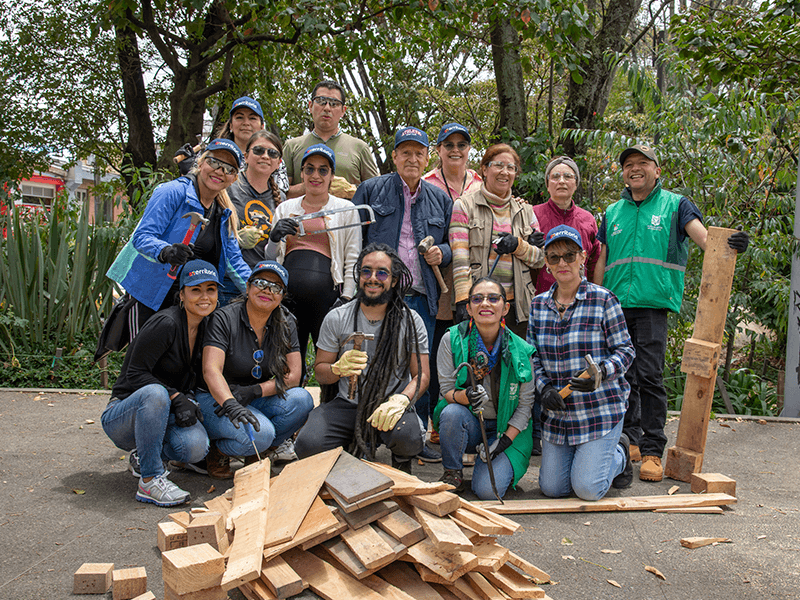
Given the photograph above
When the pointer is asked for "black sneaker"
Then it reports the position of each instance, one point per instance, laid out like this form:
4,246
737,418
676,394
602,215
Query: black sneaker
625,478
198,467
537,447
429,455
454,477
401,465
135,469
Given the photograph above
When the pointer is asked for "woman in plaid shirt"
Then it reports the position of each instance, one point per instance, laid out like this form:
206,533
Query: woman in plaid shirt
583,448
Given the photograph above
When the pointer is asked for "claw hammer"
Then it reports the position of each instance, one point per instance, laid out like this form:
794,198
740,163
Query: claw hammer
357,338
196,219
591,371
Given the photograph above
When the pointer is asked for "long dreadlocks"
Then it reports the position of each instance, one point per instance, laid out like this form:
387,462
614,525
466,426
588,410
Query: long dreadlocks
372,388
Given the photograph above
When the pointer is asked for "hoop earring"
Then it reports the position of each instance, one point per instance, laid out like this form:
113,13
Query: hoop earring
181,304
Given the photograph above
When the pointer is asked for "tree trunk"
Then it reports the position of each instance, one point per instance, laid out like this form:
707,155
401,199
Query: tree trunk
186,112
508,75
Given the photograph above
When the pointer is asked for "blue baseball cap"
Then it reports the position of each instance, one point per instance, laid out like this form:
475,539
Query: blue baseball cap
230,146
272,266
322,150
411,134
450,129
198,271
246,102
563,232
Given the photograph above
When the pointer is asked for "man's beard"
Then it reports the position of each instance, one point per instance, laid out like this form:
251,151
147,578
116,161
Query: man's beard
383,298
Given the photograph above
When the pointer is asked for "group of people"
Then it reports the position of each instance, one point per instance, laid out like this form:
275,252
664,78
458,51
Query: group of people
440,305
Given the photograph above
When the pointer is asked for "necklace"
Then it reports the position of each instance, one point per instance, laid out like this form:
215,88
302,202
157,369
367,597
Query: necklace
561,307
447,185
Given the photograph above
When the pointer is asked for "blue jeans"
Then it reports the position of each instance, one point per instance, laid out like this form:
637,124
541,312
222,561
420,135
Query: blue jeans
420,304
143,421
586,469
459,432
279,419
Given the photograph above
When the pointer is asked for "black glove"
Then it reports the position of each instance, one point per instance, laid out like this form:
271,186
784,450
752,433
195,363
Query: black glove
245,394
586,384
237,414
176,255
189,156
186,412
551,399
536,239
739,241
477,396
461,312
283,228
495,448
507,244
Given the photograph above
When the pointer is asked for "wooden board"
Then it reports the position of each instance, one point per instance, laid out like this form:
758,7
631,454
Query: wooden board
476,522
491,555
402,528
405,484
398,548
700,357
370,548
429,576
508,526
360,504
352,479
714,483
448,565
192,568
512,507
514,584
463,590
293,492
402,576
325,580
327,534
368,514
344,556
318,520
281,578
442,531
444,591
214,593
699,542
128,583
529,569
386,589
482,587
182,518
440,504
705,510
255,590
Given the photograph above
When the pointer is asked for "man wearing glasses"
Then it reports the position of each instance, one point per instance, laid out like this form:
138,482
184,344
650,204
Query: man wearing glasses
642,260
354,160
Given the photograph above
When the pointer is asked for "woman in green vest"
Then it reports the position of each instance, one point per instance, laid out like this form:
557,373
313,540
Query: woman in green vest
502,389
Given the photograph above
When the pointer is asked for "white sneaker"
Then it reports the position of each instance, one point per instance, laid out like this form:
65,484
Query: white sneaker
285,452
161,492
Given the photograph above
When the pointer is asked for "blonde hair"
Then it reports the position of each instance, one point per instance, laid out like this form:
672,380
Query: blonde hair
221,198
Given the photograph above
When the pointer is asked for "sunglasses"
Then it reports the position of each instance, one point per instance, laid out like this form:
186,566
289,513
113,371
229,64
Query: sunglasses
216,163
562,176
323,100
554,259
459,145
258,356
309,170
265,285
259,151
380,274
479,298
499,165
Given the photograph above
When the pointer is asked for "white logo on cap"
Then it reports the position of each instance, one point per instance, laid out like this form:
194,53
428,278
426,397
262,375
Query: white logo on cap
411,131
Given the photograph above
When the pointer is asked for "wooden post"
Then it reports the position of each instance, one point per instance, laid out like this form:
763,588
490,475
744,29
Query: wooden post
686,457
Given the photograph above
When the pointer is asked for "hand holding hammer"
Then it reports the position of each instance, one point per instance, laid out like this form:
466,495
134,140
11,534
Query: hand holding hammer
433,256
352,362
178,254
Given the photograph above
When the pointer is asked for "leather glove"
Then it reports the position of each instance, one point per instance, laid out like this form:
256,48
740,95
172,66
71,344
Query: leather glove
186,157
176,254
237,414
495,448
507,244
587,384
248,237
350,363
342,188
477,396
536,239
551,399
386,416
739,241
283,228
461,312
245,394
186,412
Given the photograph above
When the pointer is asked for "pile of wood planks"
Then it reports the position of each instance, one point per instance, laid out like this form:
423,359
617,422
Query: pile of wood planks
348,530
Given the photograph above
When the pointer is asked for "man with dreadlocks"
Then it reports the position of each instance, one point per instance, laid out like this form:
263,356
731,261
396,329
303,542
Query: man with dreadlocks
392,369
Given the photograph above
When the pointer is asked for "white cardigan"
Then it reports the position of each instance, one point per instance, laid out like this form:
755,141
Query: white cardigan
345,243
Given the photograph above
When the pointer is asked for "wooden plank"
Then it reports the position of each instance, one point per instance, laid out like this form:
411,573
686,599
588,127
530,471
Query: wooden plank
192,568
448,565
325,580
219,504
529,569
255,590
281,578
402,528
509,527
514,584
463,590
214,593
402,576
482,587
92,578
442,531
368,514
146,596
429,576
405,484
325,536
318,520
439,504
398,548
699,542
128,583
352,479
491,555
360,504
609,504
369,547
705,510
293,492
182,518
476,522
386,589
444,592
344,556
713,483
700,357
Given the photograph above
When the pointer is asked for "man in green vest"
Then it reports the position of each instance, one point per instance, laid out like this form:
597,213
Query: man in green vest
643,260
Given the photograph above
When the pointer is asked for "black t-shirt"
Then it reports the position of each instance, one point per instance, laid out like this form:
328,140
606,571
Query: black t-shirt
229,329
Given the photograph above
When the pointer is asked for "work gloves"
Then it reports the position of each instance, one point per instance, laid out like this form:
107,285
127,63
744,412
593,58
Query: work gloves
342,188
176,254
237,414
536,239
283,228
350,363
507,244
495,448
461,312
386,416
186,412
551,399
249,237
587,384
245,394
739,241
187,157
477,396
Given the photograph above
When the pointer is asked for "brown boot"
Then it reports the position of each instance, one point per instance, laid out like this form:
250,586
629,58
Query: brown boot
636,455
219,465
651,469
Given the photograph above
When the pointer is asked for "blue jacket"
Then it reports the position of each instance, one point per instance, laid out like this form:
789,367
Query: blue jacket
430,215
137,267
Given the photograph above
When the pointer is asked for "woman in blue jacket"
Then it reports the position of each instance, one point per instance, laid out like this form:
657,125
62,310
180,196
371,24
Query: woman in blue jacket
161,242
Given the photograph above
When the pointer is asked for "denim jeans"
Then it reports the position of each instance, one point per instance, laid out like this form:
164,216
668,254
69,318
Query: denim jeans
460,432
279,419
143,421
420,304
586,469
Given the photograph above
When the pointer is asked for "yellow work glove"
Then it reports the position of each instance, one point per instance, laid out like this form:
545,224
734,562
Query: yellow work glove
350,363
249,237
342,188
388,414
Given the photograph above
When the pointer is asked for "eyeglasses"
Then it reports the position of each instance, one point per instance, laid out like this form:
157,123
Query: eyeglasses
258,356
561,177
216,163
380,274
264,285
309,170
479,298
459,145
554,259
259,151
323,100
500,166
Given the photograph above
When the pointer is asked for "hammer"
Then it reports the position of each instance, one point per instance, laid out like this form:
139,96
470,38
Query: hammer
591,371
425,245
357,338
196,219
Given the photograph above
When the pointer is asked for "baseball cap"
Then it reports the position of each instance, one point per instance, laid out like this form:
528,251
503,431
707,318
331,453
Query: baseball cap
411,134
272,266
246,102
230,146
322,150
563,232
641,149
451,128
198,271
